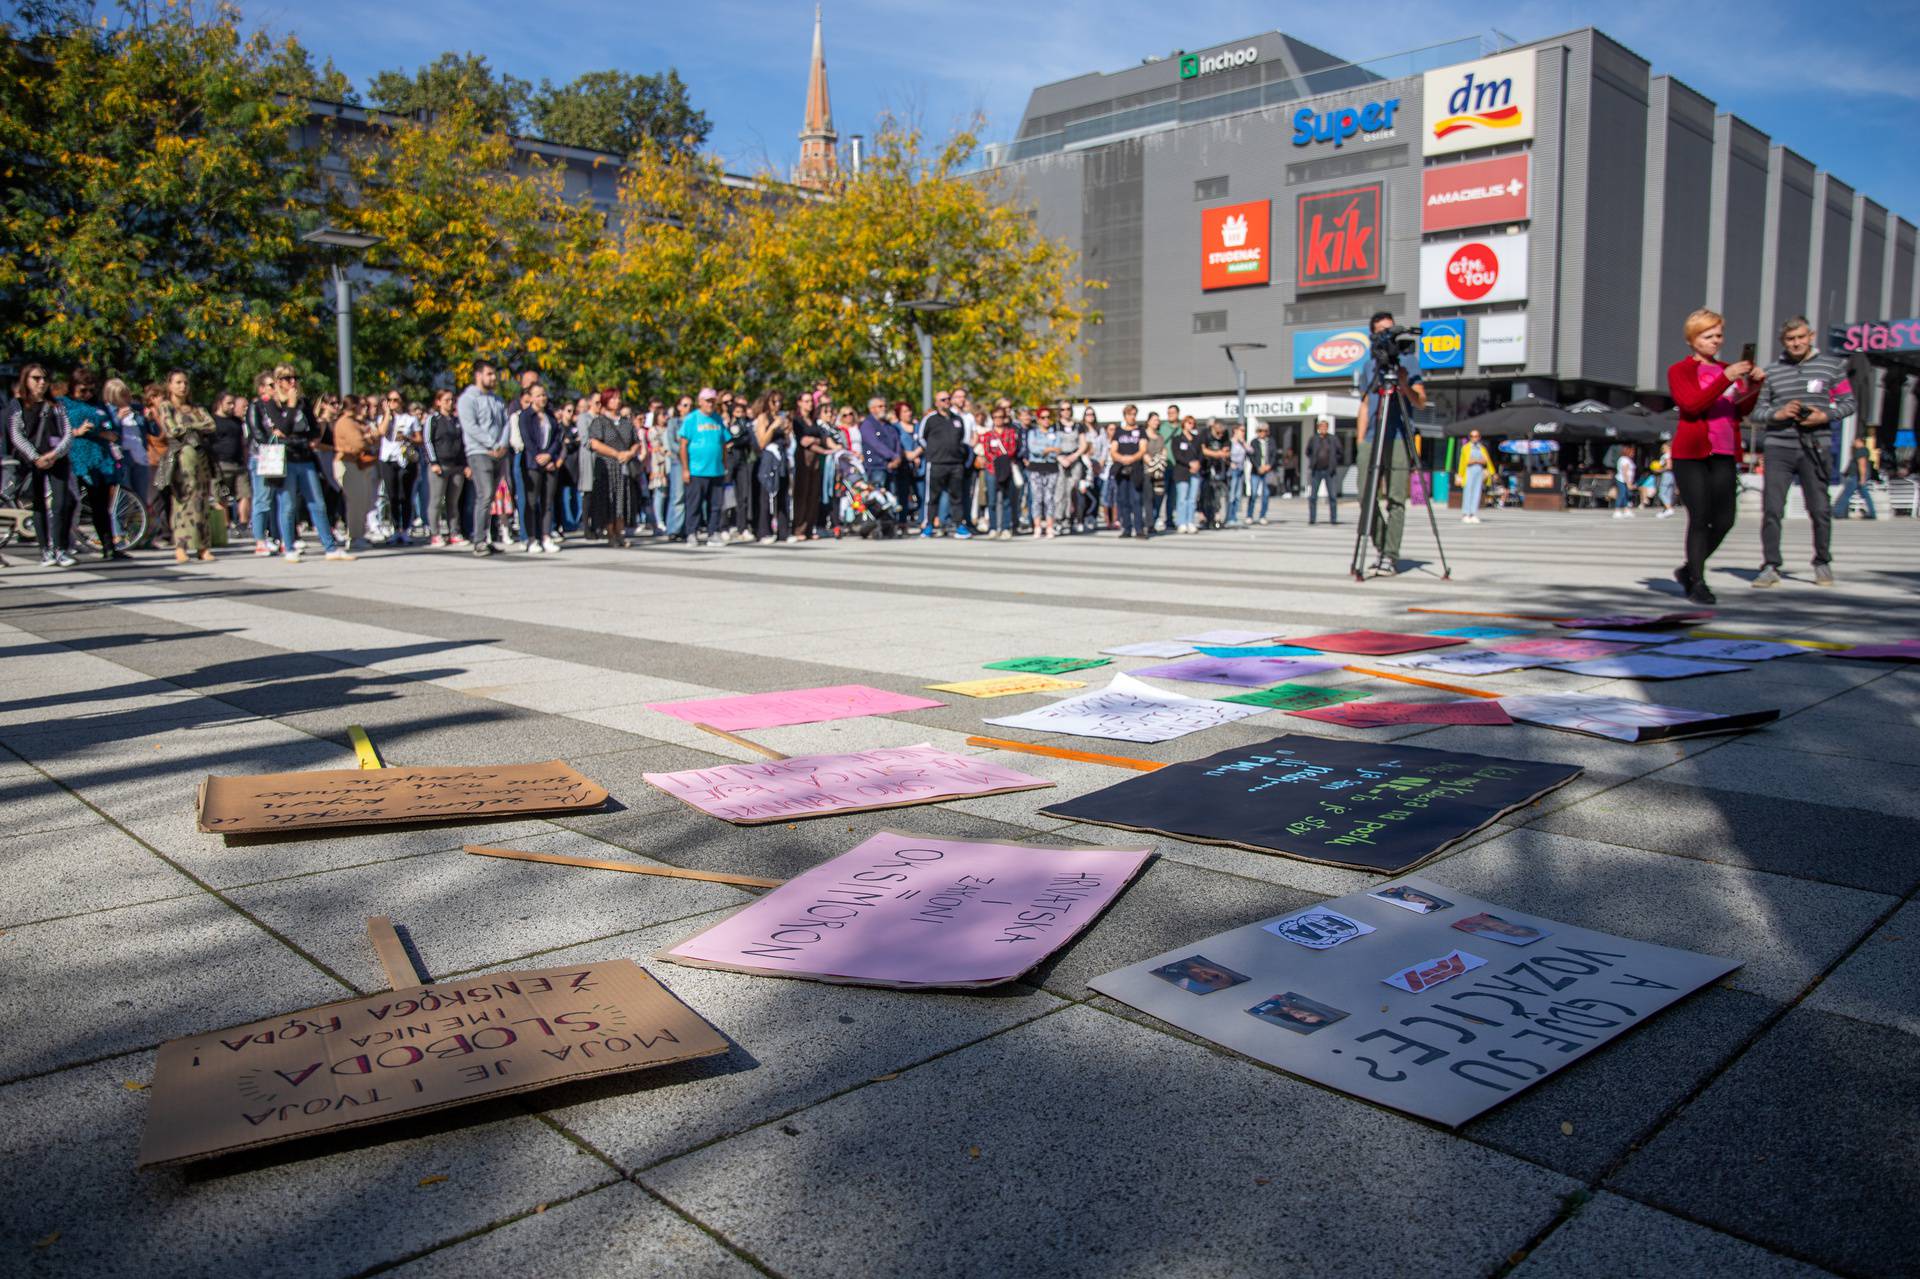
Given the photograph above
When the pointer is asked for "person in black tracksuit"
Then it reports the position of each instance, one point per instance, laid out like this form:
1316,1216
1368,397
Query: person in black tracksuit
447,472
943,437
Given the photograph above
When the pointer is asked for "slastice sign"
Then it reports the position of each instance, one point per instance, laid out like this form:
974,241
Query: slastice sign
1234,243
1340,240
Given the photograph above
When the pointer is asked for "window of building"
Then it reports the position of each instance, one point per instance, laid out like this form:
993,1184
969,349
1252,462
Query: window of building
1209,321
1210,188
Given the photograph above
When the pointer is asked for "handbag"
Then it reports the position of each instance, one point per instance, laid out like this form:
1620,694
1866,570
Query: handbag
270,462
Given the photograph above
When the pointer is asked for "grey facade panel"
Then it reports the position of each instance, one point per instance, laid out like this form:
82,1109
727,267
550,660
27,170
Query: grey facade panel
1903,297
1616,193
1870,260
1792,249
1547,252
1834,241
1679,226
1742,233
1113,229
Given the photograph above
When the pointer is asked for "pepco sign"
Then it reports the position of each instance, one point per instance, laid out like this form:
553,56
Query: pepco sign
1478,104
1234,248
1329,352
1466,272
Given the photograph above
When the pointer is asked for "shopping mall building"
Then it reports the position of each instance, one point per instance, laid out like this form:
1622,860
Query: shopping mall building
1548,212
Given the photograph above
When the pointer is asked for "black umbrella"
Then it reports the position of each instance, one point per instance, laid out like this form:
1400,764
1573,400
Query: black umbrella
1518,418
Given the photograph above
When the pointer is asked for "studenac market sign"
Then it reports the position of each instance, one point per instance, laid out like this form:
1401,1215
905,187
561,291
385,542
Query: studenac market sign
1199,64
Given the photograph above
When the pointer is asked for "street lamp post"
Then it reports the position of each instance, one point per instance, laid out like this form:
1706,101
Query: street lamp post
1240,374
920,307
332,237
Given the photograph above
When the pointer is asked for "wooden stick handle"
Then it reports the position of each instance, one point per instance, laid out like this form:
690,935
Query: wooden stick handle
593,863
395,962
363,747
1060,752
738,740
1423,683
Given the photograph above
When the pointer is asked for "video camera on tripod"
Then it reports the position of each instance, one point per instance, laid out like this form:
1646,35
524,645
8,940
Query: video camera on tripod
1386,386
1389,346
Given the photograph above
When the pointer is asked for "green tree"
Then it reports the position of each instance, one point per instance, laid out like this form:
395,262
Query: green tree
148,178
499,100
617,112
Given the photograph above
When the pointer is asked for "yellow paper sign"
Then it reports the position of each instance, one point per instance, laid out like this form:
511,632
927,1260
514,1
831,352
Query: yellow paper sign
1008,685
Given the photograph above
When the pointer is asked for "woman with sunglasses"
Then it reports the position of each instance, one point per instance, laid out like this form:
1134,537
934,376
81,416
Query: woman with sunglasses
40,436
188,468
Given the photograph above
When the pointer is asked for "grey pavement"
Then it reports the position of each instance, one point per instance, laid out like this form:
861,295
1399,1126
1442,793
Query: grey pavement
1763,1126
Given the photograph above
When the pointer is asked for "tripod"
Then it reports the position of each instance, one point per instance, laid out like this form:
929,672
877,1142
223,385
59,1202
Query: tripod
1380,464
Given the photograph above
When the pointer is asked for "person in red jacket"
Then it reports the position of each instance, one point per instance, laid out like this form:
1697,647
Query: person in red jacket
1712,398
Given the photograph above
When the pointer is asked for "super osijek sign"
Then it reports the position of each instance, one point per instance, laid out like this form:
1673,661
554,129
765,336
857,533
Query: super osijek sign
1374,120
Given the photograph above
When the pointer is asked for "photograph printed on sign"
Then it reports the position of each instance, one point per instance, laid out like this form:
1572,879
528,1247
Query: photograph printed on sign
1318,929
1429,973
1494,928
1198,975
1412,899
1297,1013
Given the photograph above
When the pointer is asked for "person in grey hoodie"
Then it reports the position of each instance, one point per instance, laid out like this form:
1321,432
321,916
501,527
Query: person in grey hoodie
1805,392
483,428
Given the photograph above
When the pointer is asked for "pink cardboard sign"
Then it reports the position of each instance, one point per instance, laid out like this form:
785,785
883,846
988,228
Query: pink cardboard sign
1380,714
815,785
796,706
1563,650
1376,643
906,910
1242,672
1907,650
1633,621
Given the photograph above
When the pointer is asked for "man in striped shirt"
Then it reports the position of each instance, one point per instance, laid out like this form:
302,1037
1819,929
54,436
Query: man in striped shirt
1805,392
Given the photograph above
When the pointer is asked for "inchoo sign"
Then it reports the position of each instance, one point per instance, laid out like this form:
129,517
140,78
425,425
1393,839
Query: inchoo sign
1234,245
1199,64
1478,104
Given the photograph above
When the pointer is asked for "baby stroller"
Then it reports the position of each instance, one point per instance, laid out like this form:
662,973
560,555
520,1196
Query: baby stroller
858,506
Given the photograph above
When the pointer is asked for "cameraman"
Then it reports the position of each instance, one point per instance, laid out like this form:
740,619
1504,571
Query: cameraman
1803,394
1390,512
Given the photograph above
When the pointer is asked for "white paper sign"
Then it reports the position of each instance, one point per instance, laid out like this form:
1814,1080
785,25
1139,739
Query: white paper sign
1481,1028
1623,719
1129,710
1478,661
1726,650
1152,648
1501,339
1645,666
1227,637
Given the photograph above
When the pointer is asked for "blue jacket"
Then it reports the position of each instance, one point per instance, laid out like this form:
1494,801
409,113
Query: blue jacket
879,441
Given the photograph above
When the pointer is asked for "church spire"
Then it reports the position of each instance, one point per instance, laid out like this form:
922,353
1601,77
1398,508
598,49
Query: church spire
818,163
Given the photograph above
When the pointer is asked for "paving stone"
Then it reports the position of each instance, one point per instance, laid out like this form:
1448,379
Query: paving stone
1831,842
610,1233
1805,1145
465,912
31,802
325,1205
1876,982
1009,1146
68,871
1611,1236
116,980
1890,787
1786,930
795,1043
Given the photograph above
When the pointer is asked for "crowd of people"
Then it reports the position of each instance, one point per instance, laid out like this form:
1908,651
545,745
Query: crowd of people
509,461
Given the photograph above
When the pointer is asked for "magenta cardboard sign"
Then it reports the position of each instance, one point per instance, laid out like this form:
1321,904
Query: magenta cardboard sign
797,706
906,910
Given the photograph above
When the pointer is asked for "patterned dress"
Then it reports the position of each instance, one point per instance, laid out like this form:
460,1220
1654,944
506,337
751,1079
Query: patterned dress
189,433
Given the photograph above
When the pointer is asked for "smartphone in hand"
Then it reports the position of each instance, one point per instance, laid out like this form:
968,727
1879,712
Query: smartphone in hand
1747,352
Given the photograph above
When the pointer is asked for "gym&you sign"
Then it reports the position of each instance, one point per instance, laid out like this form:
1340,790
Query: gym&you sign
1471,271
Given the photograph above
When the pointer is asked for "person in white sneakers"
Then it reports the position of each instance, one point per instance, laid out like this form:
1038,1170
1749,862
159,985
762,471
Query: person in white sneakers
1476,464
541,458
1623,484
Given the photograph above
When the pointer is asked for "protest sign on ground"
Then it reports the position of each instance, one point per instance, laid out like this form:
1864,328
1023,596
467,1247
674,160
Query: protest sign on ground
1008,685
1296,697
1646,666
1227,636
1047,665
1479,661
365,1061
816,785
1475,710
1151,648
1414,1013
911,911
1561,650
263,803
1731,650
1127,710
1255,650
1625,720
1480,632
1241,672
1363,805
795,706
1375,643
1906,650
1632,621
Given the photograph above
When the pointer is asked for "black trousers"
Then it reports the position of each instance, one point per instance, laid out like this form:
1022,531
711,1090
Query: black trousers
99,500
399,484
774,492
952,481
704,495
1709,489
740,474
57,533
542,492
1801,458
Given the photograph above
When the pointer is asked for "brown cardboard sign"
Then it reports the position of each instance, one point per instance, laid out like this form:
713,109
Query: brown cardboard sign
398,1053
267,802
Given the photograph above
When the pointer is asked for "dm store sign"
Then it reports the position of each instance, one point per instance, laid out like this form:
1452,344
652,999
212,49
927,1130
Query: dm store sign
1443,344
1234,245
1478,104
1319,353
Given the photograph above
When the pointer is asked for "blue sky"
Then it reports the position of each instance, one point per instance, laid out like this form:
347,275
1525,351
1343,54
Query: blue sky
1836,83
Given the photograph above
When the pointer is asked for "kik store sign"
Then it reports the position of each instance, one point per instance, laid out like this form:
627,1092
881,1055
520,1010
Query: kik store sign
1235,245
1342,241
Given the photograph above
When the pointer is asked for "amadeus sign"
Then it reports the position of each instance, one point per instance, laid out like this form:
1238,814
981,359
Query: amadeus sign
1194,64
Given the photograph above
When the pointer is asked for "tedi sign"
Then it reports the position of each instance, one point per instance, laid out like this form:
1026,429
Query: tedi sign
1478,104
1374,120
1197,64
